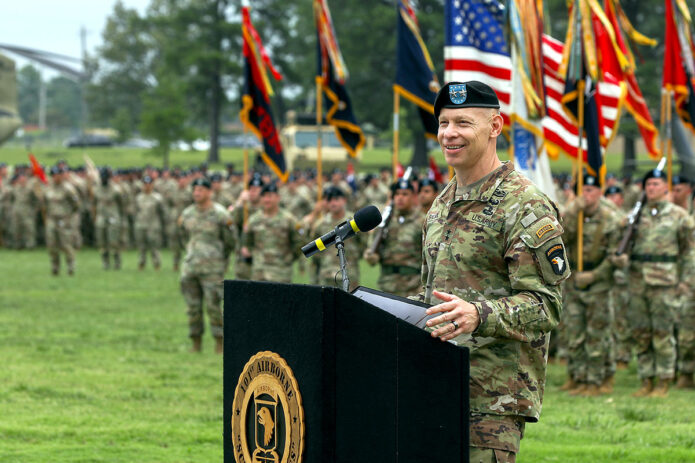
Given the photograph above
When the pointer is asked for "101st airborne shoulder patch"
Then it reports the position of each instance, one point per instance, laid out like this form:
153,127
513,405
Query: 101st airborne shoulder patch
556,257
267,413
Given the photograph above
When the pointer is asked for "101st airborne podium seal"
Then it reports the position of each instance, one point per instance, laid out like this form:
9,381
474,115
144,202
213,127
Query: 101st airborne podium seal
267,413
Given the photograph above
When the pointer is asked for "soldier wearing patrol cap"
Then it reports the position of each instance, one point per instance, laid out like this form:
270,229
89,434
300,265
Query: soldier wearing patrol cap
400,251
586,320
207,234
272,239
150,217
61,202
661,271
493,253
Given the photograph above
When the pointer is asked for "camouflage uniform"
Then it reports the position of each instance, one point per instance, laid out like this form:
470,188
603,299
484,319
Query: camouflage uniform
25,205
497,244
663,255
209,238
149,224
274,244
619,298
587,317
5,208
327,264
400,254
376,195
80,186
181,198
127,232
242,266
109,210
62,202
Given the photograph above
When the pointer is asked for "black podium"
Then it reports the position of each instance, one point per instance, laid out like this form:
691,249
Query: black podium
373,388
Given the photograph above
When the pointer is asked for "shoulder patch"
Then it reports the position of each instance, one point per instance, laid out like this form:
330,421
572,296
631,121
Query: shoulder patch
555,255
544,229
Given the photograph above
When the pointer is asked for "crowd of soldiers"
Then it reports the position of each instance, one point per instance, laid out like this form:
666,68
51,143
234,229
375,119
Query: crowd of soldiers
639,303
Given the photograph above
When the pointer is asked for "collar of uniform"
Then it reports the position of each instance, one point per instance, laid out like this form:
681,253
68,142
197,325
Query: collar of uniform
482,189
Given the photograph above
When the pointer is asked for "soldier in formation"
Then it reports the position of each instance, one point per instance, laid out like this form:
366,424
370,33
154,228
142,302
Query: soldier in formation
400,250
150,216
207,233
109,211
62,203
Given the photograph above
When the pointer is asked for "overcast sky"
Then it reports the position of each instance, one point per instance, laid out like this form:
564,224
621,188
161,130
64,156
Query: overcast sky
54,25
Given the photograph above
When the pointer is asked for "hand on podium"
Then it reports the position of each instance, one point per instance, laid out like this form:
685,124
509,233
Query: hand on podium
458,317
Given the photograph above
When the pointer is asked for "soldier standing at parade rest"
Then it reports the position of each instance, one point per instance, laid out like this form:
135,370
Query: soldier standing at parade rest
25,205
586,317
685,317
400,251
251,198
493,252
207,234
272,239
109,207
150,217
661,271
620,292
426,193
62,202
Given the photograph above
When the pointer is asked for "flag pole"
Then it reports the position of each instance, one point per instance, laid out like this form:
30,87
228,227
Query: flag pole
319,141
246,175
396,114
580,178
669,141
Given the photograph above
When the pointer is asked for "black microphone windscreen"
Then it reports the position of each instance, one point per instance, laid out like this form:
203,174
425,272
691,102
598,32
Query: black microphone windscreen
367,218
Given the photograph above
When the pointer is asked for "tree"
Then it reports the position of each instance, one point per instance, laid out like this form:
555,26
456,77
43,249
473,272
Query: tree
28,87
64,103
164,115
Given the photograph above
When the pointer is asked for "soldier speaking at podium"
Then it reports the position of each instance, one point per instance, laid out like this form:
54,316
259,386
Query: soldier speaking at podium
494,255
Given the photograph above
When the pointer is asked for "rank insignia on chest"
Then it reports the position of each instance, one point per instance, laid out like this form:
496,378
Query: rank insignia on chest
556,257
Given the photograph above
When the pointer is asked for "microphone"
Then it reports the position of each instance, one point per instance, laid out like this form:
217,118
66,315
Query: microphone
365,219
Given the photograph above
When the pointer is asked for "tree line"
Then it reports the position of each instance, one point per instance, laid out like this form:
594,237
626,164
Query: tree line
176,71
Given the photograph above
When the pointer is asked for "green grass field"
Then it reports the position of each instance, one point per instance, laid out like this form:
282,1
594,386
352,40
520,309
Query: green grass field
131,157
96,368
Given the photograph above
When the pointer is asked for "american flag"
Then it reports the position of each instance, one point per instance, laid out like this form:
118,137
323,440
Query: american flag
559,130
475,47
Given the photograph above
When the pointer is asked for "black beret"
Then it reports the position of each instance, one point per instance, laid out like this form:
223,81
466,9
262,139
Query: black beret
591,180
654,173
402,184
610,176
613,190
201,181
55,170
471,94
147,179
269,188
215,177
429,182
333,192
678,179
256,181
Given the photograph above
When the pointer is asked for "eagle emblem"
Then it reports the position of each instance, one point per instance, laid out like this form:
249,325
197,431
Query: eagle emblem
266,420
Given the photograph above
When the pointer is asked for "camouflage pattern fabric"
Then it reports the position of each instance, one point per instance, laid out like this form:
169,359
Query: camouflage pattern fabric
401,254
149,220
620,305
495,438
209,238
242,266
61,202
327,262
25,206
663,255
497,244
109,206
587,316
686,336
274,244
180,199
376,195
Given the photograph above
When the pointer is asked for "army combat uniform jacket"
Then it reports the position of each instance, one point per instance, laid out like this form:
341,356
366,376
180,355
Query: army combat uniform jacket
497,244
209,237
274,243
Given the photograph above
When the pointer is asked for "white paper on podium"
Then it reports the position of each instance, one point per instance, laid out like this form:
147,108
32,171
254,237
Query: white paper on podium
407,310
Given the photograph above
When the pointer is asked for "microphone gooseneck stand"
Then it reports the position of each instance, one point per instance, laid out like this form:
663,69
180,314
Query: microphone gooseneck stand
340,244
